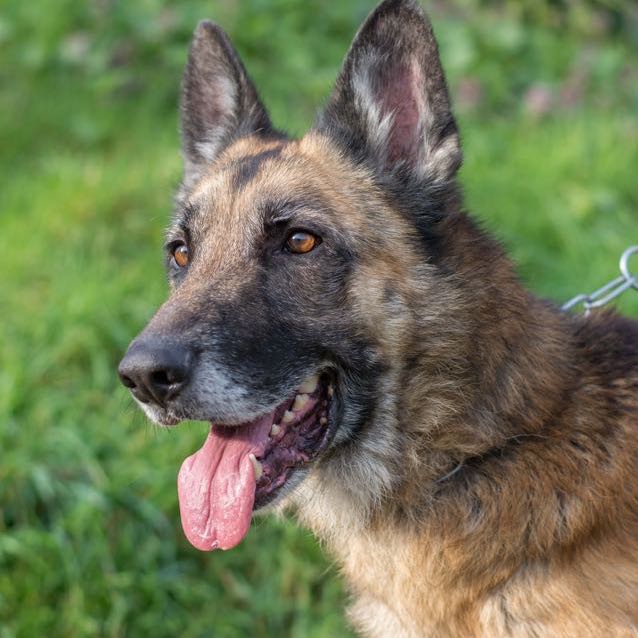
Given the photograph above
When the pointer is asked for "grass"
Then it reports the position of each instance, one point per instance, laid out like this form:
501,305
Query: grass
90,540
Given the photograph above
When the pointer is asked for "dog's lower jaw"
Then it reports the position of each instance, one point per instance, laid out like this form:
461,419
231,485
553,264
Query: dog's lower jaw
342,491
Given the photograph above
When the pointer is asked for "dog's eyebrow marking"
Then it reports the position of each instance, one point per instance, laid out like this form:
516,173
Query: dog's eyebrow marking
247,167
283,211
181,224
280,212
184,216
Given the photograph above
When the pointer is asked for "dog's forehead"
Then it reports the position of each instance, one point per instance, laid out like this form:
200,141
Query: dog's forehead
255,180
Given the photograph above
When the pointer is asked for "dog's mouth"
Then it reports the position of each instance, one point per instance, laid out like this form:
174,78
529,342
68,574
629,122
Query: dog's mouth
243,467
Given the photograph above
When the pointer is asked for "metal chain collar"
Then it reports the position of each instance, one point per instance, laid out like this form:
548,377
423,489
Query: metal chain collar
609,291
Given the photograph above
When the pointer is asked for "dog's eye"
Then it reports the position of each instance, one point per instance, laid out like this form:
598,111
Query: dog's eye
180,255
301,241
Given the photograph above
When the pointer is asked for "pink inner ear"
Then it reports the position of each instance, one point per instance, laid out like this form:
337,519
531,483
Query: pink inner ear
399,94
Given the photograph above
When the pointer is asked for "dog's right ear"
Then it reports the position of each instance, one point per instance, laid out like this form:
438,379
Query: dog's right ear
219,102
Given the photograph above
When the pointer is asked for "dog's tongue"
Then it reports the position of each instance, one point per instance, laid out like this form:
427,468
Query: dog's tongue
216,485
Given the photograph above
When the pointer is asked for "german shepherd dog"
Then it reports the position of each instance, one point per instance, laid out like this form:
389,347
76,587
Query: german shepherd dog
369,360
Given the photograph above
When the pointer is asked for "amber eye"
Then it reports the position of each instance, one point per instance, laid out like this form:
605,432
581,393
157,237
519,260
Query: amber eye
301,242
180,255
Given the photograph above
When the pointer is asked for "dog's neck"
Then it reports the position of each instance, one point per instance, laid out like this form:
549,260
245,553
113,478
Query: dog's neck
498,370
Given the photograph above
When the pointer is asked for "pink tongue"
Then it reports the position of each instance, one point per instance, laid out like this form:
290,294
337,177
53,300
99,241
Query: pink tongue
216,485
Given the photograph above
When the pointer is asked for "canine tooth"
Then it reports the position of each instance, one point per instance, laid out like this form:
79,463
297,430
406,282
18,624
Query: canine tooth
288,417
275,429
309,385
323,420
300,401
257,466
331,391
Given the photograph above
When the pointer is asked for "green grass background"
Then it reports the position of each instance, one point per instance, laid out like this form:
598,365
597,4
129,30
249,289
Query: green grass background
90,539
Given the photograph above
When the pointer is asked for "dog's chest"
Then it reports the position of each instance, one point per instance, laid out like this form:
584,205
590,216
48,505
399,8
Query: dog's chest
397,587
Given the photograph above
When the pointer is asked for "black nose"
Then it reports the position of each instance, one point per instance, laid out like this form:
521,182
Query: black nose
155,371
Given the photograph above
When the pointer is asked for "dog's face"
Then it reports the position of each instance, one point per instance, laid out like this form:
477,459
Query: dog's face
285,260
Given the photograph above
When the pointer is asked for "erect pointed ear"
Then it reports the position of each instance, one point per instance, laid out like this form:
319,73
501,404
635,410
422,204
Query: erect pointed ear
390,103
219,102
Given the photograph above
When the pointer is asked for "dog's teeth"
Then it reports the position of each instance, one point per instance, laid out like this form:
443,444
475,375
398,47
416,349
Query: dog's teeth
331,391
257,466
275,429
309,385
300,401
288,417
323,420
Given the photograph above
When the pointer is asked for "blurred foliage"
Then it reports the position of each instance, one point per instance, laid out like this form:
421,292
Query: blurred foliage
90,541
583,18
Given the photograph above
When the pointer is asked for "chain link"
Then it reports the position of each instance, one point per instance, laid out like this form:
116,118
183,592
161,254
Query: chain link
609,291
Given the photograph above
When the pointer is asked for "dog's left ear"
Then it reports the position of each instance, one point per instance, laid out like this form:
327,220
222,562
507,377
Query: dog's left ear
390,103
219,102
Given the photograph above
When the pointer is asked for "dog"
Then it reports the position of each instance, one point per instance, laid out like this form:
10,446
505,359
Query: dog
369,361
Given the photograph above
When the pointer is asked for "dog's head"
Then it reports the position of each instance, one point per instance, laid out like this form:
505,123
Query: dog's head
291,265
